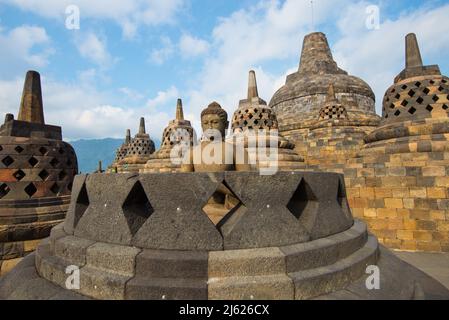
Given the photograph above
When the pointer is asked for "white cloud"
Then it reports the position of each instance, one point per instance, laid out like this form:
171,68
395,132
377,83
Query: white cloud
93,48
191,46
130,14
160,55
163,98
131,94
24,45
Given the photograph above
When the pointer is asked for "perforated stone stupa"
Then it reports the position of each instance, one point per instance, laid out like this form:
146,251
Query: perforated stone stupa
399,181
178,131
254,118
36,175
138,151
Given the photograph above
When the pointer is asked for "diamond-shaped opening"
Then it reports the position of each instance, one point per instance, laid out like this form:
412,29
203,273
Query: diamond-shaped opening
445,106
397,96
426,90
432,82
222,205
404,87
7,161
429,108
411,93
420,100
54,188
440,88
81,204
397,113
4,190
392,106
435,98
418,84
303,200
62,175
43,150
19,149
30,189
137,208
19,175
404,103
412,110
444,81
33,161
54,162
44,175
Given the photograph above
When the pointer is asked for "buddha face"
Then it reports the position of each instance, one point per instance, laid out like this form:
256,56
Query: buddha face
211,123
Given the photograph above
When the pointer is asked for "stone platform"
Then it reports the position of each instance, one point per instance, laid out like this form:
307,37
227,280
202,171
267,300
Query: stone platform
135,236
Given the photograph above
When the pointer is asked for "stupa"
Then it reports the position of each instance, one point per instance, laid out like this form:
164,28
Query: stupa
255,121
178,131
400,178
121,151
138,151
36,175
299,102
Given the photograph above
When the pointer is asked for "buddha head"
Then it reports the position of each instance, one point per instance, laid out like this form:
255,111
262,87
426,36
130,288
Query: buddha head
214,120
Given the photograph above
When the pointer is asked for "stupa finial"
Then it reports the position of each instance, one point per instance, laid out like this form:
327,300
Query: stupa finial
31,108
179,111
252,85
412,52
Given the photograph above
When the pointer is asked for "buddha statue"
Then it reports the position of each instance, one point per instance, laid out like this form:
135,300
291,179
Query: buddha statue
213,153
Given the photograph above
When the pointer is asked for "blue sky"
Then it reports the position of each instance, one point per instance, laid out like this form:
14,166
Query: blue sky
135,58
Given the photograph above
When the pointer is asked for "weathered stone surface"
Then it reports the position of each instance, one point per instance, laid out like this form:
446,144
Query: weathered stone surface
104,219
249,262
114,258
100,284
178,222
264,219
72,249
172,264
323,280
272,287
325,251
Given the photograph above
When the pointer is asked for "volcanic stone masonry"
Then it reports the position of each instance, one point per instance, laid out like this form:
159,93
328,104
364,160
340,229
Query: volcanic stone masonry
399,181
136,236
36,175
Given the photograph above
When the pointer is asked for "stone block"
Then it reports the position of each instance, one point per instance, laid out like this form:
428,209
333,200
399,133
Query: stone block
72,249
120,259
172,264
250,262
273,287
99,284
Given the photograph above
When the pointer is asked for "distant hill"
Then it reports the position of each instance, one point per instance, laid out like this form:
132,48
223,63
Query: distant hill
89,152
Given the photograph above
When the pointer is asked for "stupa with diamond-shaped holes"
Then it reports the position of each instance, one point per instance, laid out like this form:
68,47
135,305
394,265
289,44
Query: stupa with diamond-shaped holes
36,175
